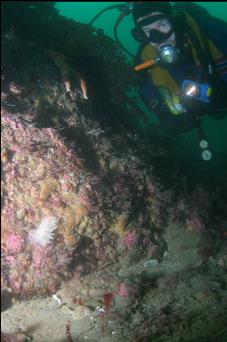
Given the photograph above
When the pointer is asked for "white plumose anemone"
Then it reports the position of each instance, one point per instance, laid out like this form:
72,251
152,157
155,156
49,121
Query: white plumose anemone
43,235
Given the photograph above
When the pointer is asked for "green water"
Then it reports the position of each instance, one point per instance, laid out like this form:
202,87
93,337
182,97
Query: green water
85,11
186,146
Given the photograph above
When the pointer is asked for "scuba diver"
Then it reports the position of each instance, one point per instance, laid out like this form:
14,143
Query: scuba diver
183,50
182,61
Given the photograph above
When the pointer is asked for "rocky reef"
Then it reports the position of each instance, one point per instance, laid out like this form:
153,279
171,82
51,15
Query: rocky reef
86,216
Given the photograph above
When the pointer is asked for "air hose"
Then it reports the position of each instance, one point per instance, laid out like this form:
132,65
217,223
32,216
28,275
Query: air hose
125,10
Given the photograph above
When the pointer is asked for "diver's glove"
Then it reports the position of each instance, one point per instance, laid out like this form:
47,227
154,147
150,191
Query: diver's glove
194,106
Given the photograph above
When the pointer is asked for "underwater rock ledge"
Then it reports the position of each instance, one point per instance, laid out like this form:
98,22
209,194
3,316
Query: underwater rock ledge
68,189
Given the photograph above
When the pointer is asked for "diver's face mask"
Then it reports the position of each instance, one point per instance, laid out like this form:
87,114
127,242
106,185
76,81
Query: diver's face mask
168,54
152,35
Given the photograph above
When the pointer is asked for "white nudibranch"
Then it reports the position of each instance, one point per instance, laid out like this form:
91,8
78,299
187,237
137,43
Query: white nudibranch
44,232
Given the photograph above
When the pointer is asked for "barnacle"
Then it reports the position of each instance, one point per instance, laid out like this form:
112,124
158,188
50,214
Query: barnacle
46,211
21,213
47,187
72,217
2,187
70,197
4,155
69,219
85,226
70,240
81,211
120,225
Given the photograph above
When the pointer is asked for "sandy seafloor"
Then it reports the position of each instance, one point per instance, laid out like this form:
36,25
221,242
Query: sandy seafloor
201,296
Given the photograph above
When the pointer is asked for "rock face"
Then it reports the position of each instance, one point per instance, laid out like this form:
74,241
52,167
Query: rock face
72,199
41,207
46,197
58,219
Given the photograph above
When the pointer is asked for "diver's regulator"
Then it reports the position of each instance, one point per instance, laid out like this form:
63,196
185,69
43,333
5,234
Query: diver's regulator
168,55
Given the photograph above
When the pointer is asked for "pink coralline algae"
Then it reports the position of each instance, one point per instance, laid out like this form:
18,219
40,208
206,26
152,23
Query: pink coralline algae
195,223
151,188
39,256
14,243
11,259
153,251
126,290
130,239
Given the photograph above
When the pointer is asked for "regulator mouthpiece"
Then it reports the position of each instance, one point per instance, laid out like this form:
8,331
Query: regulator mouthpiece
168,54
